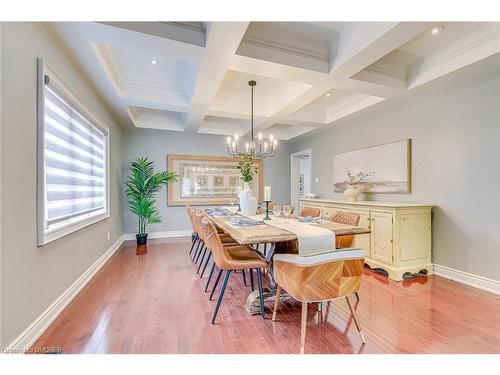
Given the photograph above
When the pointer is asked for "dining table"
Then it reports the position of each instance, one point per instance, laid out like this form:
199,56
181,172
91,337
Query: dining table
275,239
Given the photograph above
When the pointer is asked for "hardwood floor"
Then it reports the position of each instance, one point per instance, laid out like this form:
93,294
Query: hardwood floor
155,304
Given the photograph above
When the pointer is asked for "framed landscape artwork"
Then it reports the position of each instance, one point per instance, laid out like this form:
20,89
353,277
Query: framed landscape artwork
389,166
208,180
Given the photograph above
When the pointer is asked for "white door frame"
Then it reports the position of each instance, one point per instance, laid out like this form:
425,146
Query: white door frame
293,175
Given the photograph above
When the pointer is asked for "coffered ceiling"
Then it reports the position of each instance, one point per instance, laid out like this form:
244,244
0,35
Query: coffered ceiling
193,76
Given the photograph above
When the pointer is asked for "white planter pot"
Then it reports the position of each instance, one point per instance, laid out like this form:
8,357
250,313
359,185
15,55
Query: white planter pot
352,193
248,203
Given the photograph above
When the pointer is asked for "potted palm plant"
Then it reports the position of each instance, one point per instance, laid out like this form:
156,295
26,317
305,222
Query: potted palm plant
142,185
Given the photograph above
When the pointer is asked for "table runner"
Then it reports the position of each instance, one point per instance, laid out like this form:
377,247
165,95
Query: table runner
311,239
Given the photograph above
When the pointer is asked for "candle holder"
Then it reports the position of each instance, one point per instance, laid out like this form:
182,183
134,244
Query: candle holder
267,210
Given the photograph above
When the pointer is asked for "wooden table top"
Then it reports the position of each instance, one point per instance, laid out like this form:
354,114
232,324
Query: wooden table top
269,234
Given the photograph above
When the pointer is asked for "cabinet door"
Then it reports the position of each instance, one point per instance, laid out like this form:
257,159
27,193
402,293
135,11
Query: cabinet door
363,240
382,236
414,236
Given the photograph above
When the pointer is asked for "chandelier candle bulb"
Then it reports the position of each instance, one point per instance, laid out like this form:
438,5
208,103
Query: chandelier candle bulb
228,140
236,137
247,147
267,193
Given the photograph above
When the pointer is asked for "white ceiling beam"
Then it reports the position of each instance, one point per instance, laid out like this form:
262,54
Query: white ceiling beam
222,41
303,122
212,48
477,46
271,69
358,47
362,45
233,115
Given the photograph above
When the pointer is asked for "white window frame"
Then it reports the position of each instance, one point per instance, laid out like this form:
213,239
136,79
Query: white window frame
76,223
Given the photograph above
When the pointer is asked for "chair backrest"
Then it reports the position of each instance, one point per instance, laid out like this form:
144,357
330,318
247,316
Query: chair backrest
197,217
191,212
320,277
347,218
212,240
310,211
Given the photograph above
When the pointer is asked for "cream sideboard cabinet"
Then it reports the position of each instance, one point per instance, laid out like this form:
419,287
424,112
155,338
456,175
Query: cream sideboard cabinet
400,240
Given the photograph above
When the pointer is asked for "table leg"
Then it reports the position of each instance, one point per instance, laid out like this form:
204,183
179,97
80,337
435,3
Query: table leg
269,259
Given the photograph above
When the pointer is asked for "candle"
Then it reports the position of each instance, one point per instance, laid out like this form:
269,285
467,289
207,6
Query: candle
267,193
238,189
228,140
247,146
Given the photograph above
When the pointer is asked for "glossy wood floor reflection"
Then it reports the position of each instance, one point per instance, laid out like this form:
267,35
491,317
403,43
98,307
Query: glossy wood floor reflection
156,304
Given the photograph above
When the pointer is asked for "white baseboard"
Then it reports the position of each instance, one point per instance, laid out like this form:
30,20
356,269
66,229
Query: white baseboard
164,234
26,339
479,282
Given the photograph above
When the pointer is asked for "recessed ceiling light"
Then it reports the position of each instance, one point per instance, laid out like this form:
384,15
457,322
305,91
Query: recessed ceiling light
328,94
153,62
437,30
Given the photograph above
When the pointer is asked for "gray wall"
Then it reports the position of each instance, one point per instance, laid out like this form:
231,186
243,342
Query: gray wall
454,124
157,144
31,277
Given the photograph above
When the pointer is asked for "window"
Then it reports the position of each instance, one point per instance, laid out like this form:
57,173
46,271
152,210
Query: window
73,189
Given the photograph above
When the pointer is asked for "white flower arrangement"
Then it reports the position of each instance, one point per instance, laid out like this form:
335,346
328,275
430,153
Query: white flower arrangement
356,178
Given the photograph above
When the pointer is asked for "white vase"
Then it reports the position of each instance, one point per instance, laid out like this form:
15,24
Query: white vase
248,203
352,193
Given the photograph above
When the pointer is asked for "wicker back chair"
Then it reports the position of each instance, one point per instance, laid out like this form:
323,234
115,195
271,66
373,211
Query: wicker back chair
346,218
310,211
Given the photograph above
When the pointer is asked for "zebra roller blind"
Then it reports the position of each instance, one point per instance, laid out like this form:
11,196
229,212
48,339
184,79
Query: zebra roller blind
74,161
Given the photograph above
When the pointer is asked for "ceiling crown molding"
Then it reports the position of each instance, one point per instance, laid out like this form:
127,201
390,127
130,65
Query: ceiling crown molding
185,32
135,88
193,26
107,60
386,71
288,49
301,56
474,47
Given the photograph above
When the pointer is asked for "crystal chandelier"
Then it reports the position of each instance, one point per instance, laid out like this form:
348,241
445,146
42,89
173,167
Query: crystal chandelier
259,148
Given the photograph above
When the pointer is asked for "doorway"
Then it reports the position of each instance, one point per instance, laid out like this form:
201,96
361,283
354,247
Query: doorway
300,174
